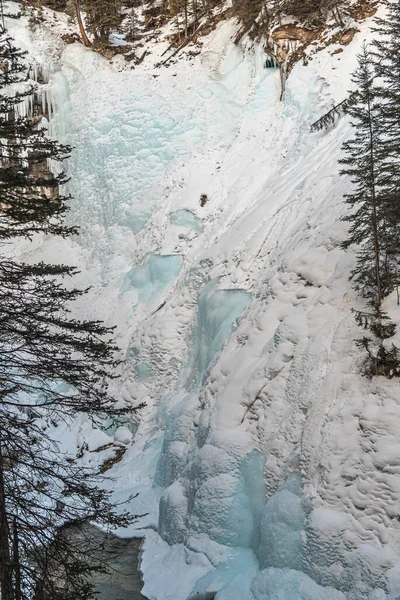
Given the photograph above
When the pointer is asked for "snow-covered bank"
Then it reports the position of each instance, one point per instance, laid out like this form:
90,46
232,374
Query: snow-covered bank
267,465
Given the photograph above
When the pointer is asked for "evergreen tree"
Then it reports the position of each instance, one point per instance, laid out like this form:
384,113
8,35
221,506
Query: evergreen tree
188,11
314,12
43,494
51,367
362,164
375,276
27,187
102,17
387,65
247,11
131,26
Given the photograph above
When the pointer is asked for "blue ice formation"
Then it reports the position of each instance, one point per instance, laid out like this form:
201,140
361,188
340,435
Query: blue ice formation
281,549
218,311
267,92
232,578
126,137
213,479
179,431
218,492
185,218
143,371
297,556
226,492
151,278
282,527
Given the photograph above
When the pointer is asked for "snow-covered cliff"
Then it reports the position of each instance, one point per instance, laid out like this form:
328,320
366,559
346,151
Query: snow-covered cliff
267,465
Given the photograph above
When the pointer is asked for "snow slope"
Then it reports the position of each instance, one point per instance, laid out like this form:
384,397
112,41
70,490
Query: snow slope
267,465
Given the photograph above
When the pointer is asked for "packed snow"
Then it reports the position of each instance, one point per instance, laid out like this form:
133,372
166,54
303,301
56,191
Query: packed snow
265,464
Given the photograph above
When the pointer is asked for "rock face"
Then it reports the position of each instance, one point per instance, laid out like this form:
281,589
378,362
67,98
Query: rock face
291,32
121,579
286,44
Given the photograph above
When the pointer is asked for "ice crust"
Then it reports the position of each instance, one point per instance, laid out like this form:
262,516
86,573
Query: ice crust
282,527
217,313
185,218
266,466
152,277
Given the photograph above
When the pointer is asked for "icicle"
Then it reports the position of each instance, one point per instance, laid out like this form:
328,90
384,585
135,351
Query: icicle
270,62
24,108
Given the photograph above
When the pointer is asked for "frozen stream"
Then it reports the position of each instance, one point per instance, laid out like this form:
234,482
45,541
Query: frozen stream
266,467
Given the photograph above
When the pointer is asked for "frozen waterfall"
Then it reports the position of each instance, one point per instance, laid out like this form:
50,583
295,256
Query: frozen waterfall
256,479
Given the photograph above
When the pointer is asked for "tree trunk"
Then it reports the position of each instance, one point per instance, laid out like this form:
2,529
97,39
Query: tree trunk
194,15
6,586
84,37
178,27
186,18
16,561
